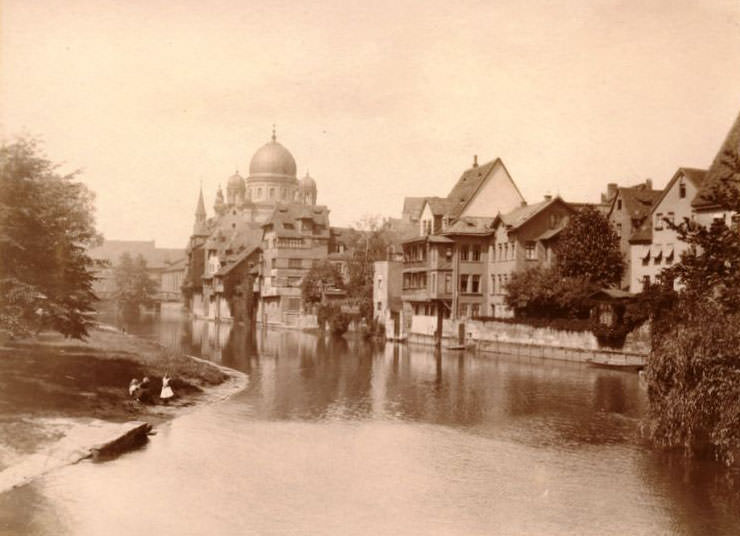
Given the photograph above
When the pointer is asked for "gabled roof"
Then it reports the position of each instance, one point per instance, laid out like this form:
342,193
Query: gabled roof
413,205
695,176
470,226
291,213
438,205
469,183
720,168
637,200
519,216
231,263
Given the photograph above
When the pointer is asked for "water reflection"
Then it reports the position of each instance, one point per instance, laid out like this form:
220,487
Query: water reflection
330,433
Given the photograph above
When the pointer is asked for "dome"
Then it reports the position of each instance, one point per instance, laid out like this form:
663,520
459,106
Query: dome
272,159
236,183
307,183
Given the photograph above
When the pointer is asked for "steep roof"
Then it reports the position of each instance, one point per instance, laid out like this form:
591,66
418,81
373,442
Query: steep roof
722,167
695,176
637,200
412,206
232,262
439,205
469,183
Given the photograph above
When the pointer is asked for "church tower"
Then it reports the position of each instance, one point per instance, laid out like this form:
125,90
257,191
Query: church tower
199,227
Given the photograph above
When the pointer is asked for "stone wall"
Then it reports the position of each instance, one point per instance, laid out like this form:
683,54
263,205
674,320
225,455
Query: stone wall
521,339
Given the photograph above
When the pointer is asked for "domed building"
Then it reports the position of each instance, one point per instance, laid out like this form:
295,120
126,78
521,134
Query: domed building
267,216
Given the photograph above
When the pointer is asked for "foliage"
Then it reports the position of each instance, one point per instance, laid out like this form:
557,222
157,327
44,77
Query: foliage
239,294
367,244
694,368
46,227
134,287
319,278
546,293
588,248
332,315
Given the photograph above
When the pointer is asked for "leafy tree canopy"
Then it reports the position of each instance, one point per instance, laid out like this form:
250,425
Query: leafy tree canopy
319,278
693,371
589,248
134,287
46,227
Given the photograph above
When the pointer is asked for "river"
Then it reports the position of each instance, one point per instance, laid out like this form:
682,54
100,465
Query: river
339,436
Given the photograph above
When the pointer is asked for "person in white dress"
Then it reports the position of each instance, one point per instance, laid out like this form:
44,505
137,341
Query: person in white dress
166,393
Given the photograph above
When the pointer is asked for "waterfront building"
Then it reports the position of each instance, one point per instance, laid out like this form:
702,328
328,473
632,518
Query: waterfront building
444,265
387,304
630,208
654,245
522,239
270,221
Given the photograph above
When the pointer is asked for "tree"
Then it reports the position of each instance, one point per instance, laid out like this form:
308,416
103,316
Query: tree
693,372
134,287
588,248
46,227
545,293
319,278
368,243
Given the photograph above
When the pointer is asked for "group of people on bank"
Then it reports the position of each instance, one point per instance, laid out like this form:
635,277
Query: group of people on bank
144,391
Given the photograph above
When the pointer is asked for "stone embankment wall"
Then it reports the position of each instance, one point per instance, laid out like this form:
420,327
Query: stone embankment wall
521,339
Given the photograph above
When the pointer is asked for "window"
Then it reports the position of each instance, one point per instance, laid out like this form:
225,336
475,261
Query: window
380,306
475,310
554,218
619,204
493,285
273,262
380,281
464,253
259,193
433,282
476,253
475,284
294,281
464,283
619,230
289,226
463,310
671,217
448,283
500,252
659,221
513,250
530,251
506,251
272,193
294,263
682,190
433,254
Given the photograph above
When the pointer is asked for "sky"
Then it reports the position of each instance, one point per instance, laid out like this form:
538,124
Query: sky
379,100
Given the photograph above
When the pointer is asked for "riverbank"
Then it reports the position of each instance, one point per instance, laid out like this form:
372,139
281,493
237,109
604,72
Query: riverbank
50,386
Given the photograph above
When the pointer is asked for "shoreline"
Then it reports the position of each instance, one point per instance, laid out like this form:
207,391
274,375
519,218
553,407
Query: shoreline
69,399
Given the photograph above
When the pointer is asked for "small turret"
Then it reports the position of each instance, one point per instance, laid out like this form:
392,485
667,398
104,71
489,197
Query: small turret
219,206
307,190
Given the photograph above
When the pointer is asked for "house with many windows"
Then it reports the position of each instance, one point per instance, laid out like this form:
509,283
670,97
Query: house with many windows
654,245
521,239
629,209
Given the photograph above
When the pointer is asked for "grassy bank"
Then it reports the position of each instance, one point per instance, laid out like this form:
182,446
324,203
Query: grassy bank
47,381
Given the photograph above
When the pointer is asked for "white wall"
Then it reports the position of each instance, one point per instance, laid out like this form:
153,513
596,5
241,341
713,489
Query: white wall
497,194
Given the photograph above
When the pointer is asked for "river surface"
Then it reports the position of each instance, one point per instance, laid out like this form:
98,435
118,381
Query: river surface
338,436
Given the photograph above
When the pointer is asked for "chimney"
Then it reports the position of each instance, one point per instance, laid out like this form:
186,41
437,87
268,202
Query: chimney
649,184
523,203
475,160
548,196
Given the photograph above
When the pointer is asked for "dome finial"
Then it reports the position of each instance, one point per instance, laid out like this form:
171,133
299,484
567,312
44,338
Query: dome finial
274,137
